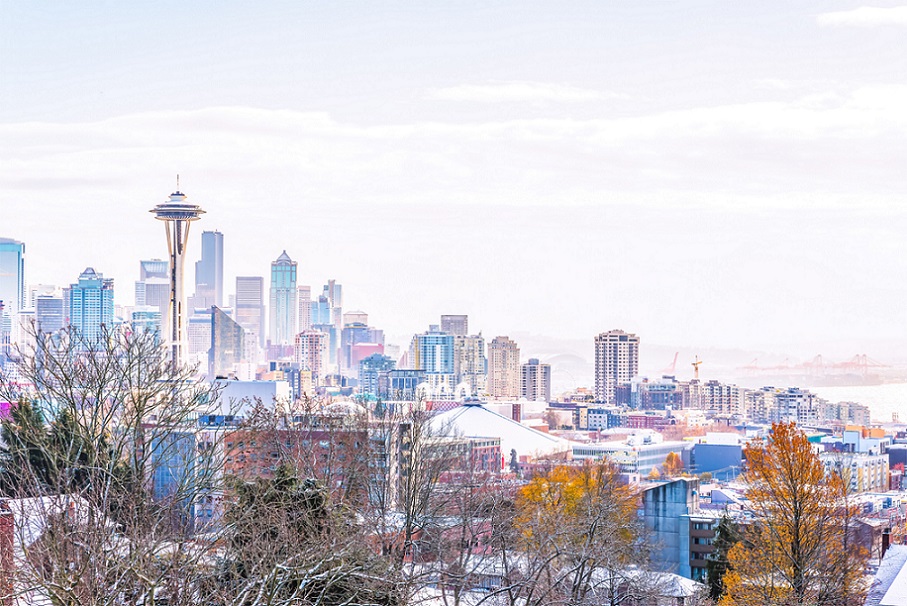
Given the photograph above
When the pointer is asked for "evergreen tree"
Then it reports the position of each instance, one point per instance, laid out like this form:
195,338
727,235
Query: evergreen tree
27,465
726,536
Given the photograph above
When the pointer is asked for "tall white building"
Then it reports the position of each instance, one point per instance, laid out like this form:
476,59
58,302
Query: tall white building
535,381
503,368
304,315
469,362
616,363
311,351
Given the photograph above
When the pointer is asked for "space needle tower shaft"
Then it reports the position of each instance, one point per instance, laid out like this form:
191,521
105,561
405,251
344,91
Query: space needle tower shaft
177,214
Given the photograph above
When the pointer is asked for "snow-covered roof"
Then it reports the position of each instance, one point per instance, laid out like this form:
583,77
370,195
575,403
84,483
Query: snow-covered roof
889,587
30,515
473,420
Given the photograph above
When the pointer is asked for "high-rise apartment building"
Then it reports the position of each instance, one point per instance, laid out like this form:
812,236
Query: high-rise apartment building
457,325
283,300
370,370
616,363
535,381
722,399
503,368
470,362
250,309
432,352
90,304
209,271
311,354
12,276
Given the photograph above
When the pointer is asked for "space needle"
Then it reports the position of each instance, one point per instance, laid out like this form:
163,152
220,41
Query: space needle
177,214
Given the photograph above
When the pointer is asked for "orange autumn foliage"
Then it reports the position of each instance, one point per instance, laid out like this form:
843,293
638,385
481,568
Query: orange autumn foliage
797,549
578,530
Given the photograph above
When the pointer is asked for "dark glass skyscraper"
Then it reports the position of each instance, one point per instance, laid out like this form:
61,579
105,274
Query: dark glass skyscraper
209,271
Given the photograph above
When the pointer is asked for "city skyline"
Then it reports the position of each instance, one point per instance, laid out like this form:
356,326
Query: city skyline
714,187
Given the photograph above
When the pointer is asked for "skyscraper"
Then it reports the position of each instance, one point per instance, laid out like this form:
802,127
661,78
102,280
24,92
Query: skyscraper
455,325
535,381
283,300
354,332
177,214
503,368
147,320
311,354
153,286
334,294
433,352
90,304
209,271
304,315
12,276
370,369
49,313
616,362
470,362
227,344
153,268
250,309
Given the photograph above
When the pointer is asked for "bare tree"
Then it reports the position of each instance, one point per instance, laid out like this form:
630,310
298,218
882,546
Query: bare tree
104,467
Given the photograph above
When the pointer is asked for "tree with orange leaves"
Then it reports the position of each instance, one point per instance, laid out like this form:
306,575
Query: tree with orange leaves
673,465
579,537
797,550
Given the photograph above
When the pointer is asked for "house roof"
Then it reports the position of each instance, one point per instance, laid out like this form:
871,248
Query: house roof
889,587
473,420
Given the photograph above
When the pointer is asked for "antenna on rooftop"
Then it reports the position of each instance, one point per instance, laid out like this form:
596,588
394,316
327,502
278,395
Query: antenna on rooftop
177,181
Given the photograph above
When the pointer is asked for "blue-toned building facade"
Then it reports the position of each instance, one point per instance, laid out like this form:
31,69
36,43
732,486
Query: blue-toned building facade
283,301
89,304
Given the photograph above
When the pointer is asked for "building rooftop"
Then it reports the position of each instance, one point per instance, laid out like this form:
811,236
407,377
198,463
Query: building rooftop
889,587
474,420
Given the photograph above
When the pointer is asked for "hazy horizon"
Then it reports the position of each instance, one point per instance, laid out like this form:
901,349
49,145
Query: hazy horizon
703,175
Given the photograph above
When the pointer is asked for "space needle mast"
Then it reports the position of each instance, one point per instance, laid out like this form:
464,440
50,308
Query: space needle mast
177,214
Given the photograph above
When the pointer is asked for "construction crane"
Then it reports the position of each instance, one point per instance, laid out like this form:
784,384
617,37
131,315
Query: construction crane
696,364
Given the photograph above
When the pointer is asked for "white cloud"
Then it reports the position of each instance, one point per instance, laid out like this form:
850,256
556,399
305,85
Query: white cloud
516,92
377,206
865,16
539,157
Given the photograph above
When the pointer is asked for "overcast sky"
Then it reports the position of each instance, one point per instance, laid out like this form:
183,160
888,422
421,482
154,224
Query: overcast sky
701,173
